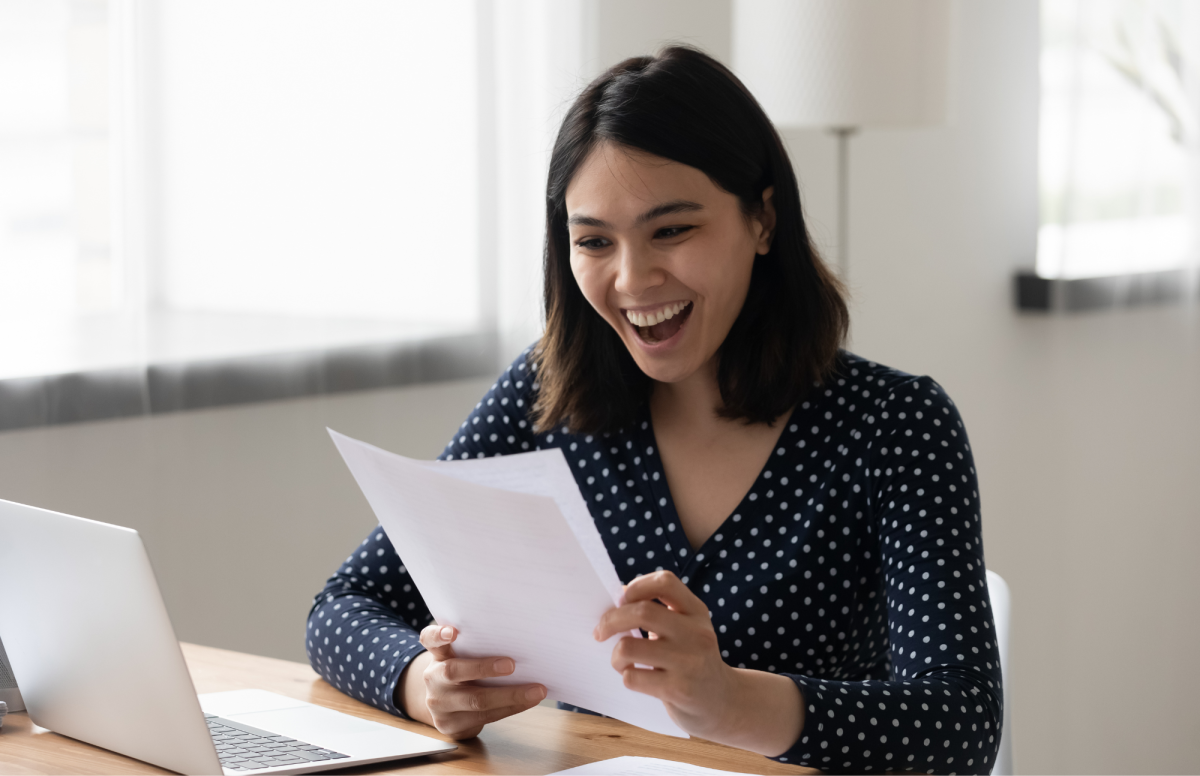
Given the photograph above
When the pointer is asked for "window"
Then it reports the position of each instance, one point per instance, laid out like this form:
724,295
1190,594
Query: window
195,191
208,179
1119,169
319,159
55,252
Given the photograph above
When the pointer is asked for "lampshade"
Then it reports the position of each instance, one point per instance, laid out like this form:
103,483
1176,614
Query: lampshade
845,63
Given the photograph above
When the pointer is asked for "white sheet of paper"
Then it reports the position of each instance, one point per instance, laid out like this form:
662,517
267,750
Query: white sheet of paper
505,550
642,766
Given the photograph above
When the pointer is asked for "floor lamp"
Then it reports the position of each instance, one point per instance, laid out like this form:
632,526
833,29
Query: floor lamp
845,65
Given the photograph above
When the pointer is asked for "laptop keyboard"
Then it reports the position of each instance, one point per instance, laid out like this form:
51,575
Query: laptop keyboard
244,748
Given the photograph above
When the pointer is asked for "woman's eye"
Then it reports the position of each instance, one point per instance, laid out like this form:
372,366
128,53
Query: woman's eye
667,232
592,243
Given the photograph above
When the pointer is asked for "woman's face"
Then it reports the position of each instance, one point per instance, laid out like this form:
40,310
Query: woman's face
663,254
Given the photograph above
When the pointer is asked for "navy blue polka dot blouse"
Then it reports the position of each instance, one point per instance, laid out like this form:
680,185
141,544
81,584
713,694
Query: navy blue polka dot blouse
854,566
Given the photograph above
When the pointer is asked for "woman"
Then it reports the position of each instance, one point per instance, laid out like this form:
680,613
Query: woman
809,519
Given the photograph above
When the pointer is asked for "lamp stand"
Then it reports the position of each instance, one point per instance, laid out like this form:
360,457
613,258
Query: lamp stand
843,202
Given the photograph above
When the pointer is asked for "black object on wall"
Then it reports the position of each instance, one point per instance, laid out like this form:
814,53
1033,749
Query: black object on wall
1038,294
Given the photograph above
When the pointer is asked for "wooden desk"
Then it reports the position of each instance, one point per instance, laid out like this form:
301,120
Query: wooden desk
541,740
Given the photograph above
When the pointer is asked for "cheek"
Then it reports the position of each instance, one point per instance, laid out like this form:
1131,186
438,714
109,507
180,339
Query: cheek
723,271
590,282
737,290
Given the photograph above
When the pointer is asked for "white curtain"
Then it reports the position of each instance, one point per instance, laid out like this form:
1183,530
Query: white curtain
1120,136
541,50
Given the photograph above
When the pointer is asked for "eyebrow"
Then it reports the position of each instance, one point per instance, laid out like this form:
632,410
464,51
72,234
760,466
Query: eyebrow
666,208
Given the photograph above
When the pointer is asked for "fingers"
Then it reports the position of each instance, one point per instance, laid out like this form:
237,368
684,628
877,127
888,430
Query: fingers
483,700
437,639
458,670
644,652
641,610
666,587
647,615
459,708
655,683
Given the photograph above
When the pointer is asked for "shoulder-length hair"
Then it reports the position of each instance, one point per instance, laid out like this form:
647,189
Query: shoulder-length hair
685,106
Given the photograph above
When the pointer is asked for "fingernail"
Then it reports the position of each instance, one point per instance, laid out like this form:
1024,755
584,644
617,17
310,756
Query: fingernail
535,694
503,666
447,633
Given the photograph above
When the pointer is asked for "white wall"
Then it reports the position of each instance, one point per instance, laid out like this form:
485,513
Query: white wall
631,28
245,510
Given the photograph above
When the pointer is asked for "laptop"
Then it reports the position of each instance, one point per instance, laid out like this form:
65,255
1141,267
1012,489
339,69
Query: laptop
96,658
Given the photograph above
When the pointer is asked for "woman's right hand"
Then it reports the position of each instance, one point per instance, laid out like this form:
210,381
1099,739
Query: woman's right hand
437,687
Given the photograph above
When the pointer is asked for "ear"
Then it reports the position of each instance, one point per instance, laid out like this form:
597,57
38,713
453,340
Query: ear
766,221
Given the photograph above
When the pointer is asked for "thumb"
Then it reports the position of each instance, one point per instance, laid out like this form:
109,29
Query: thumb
437,639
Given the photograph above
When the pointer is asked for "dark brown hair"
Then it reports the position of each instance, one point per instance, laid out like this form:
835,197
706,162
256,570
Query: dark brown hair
685,106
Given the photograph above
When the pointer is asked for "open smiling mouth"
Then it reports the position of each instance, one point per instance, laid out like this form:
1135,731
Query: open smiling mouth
660,325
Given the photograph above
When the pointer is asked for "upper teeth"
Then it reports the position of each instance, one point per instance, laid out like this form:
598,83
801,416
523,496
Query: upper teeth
655,316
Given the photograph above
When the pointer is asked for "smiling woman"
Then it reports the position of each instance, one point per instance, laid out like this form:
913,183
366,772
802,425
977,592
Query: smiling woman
669,280
684,163
798,529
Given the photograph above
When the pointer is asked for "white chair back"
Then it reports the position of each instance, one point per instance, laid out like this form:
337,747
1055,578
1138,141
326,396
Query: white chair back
1001,608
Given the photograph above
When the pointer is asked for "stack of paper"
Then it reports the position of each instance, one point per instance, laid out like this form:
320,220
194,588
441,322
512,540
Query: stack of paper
505,550
642,766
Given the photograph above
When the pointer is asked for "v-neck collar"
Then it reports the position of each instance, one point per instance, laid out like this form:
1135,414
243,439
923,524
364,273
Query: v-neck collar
685,559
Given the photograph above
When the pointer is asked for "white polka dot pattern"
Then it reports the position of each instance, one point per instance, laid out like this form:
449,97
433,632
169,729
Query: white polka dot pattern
854,565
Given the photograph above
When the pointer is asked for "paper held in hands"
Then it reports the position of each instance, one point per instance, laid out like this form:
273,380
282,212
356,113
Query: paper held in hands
505,550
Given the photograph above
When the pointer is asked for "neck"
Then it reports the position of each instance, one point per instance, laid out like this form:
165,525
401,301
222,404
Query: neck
693,401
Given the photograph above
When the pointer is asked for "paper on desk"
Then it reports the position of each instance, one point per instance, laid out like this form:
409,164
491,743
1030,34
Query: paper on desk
505,550
642,766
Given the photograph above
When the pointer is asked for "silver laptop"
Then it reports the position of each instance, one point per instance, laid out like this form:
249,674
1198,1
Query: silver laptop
96,658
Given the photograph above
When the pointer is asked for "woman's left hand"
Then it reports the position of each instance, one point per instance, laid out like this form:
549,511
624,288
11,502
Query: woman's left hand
707,697
688,673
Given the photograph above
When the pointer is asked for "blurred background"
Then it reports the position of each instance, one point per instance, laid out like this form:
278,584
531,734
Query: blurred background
227,225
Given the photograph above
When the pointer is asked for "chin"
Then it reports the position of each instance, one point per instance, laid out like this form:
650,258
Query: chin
662,369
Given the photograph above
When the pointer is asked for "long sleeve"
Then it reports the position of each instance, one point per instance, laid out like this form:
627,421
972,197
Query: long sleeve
364,626
940,709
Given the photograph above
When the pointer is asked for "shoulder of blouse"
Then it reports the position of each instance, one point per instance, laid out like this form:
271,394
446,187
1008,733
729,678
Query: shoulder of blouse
499,424
898,395
519,380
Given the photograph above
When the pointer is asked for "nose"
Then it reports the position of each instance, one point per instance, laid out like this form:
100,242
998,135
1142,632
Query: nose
637,271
